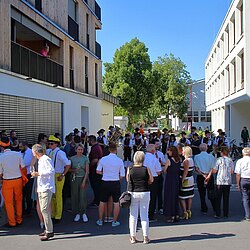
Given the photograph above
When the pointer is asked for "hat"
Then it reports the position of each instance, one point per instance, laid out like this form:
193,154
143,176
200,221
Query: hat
110,127
183,133
207,131
222,133
195,134
53,138
101,131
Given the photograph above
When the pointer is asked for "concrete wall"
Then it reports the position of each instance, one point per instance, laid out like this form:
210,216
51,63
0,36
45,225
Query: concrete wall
107,115
72,101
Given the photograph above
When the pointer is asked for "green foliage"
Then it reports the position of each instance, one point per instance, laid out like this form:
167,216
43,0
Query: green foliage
146,91
172,85
129,77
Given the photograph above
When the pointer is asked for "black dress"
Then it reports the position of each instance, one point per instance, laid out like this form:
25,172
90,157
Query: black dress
171,190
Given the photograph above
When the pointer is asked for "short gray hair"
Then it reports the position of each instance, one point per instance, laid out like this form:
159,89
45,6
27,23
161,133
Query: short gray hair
203,147
38,149
139,158
246,151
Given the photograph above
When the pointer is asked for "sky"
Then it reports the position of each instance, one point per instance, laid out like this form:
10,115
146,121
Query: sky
185,28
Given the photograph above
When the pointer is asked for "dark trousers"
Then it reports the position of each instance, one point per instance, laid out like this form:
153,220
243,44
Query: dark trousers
245,191
95,182
27,190
223,190
153,196
203,190
67,187
160,189
127,154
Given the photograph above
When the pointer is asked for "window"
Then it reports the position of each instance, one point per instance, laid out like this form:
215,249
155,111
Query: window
234,75
233,28
208,116
72,8
86,75
96,80
87,31
71,66
36,3
242,72
241,18
227,38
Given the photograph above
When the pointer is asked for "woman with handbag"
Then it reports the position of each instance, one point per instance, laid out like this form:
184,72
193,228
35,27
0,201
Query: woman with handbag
139,178
224,168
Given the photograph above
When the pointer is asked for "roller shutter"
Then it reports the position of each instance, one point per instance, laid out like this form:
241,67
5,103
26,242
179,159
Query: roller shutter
29,117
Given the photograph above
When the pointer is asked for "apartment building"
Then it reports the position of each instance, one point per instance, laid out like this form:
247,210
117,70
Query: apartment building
197,115
227,80
61,89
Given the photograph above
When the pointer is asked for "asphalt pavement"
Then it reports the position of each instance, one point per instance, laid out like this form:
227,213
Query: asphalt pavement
200,232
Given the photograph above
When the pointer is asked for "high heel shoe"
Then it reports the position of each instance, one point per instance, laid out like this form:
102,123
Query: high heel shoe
189,214
185,215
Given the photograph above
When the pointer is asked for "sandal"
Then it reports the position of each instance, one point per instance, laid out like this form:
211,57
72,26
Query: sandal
146,240
133,240
189,214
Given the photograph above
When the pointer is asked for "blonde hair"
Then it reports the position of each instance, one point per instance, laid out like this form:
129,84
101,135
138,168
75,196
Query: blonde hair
139,158
187,151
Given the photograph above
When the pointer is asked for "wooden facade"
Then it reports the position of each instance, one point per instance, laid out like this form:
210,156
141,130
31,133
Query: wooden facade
70,53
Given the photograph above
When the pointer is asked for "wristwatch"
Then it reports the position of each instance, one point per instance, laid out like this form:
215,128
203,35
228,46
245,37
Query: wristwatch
62,174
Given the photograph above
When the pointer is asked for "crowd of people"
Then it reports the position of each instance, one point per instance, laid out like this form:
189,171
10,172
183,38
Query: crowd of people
160,171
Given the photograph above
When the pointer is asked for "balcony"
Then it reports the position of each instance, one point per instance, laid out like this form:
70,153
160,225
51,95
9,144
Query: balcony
98,10
31,64
98,50
73,29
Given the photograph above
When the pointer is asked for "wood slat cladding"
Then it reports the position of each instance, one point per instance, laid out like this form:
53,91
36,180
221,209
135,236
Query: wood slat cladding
29,117
57,12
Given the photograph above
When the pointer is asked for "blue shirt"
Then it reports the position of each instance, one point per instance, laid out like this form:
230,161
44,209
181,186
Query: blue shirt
204,161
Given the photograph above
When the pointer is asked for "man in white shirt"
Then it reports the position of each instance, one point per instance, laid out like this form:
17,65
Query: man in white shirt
204,164
112,170
10,163
154,165
27,189
61,164
242,170
45,188
162,160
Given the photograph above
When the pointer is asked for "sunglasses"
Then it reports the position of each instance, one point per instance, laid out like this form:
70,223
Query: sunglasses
51,143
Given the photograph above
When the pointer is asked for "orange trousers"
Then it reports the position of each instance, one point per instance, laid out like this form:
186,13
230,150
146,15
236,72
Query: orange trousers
12,194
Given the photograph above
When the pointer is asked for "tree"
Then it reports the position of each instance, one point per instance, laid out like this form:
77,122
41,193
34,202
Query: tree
130,79
172,85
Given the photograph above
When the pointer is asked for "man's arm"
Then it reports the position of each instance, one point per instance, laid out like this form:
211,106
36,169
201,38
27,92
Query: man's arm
238,181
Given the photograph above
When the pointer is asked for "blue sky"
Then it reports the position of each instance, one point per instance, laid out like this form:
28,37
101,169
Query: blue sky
186,28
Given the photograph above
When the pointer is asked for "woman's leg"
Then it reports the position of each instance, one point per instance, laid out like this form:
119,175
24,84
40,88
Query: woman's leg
133,215
144,206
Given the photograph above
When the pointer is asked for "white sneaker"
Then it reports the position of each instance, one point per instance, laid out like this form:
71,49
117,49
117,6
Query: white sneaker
77,217
99,222
116,223
85,218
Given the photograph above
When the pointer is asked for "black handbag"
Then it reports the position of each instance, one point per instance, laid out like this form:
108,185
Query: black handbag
125,198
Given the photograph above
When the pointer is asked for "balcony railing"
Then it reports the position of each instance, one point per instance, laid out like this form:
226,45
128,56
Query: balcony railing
98,50
73,28
98,10
31,64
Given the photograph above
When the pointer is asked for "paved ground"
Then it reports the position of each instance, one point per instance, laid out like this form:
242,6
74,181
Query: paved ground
201,232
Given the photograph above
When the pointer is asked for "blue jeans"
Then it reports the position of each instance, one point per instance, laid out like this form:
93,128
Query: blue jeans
245,190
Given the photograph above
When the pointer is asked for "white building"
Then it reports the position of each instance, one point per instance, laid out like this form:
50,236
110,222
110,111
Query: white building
197,115
226,77
40,94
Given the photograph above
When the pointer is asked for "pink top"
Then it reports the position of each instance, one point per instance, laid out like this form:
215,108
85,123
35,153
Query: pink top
44,53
